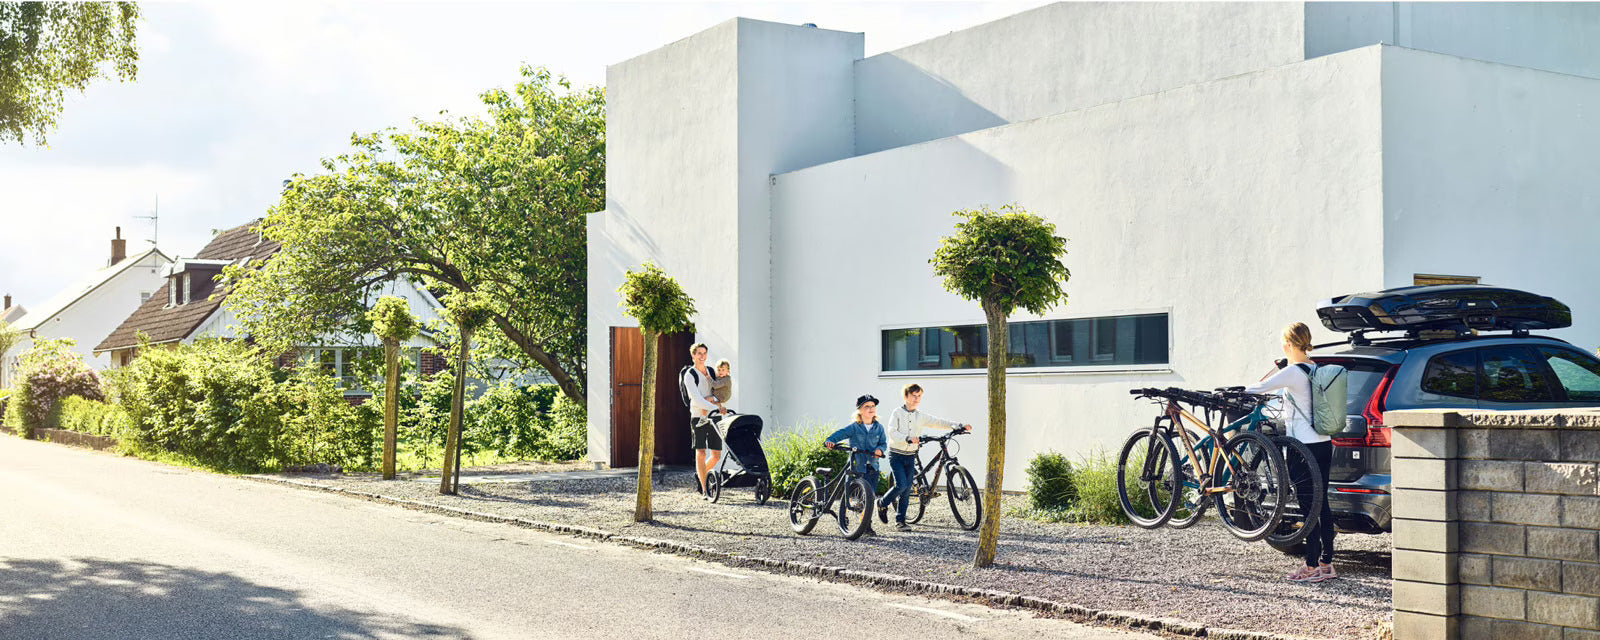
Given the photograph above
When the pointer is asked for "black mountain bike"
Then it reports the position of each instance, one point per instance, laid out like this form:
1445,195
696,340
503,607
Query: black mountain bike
965,502
844,494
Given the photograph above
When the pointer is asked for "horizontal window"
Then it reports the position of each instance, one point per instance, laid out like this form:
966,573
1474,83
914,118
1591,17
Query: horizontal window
1038,344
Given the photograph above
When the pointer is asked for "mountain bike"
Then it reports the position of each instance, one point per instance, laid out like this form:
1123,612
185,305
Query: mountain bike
1242,474
844,495
965,502
1306,491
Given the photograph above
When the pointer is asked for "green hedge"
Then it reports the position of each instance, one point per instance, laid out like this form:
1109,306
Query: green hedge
794,454
1086,491
89,416
47,373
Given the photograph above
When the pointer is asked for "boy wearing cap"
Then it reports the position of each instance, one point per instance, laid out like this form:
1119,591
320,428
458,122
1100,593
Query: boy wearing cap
866,434
905,437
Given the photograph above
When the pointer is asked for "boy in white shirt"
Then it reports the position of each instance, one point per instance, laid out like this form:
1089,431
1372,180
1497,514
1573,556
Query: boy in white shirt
905,435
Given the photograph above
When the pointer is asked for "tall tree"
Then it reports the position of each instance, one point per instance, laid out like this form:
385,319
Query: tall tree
468,312
1004,260
488,205
47,48
393,323
654,299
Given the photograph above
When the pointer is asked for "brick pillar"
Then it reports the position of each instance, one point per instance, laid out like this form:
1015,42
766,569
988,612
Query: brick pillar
1426,589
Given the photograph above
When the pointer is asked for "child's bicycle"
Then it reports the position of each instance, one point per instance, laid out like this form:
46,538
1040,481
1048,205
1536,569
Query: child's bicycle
965,501
844,494
1242,473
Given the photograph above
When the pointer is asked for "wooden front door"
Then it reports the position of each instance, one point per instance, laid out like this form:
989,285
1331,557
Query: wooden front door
627,392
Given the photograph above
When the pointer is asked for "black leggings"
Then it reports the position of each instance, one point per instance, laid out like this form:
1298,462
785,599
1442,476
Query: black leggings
1319,543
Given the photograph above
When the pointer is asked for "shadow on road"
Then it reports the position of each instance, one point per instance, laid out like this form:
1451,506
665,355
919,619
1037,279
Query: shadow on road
93,599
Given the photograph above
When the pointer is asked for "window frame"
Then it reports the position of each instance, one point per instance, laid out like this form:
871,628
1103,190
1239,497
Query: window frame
1071,370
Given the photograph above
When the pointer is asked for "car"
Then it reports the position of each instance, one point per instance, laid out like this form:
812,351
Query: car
1453,368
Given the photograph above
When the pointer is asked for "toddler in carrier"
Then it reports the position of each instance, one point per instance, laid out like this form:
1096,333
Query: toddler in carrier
722,385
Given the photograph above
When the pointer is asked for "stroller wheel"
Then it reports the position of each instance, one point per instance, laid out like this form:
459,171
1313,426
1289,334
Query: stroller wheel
763,489
714,485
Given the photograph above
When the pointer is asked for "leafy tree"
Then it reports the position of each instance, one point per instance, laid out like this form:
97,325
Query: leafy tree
654,299
49,372
1005,260
492,205
47,48
393,323
468,312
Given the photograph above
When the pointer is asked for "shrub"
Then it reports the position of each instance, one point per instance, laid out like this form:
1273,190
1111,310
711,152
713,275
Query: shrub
89,416
795,454
1095,480
47,373
1050,484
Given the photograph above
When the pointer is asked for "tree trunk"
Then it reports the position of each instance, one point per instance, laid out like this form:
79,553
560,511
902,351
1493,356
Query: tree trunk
452,438
391,404
999,358
642,511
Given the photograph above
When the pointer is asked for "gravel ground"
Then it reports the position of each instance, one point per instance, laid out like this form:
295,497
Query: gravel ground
1200,574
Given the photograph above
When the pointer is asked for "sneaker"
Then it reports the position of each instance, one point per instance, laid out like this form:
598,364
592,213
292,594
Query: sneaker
902,526
883,514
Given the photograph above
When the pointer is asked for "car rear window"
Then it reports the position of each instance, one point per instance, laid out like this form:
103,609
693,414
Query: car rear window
1452,374
1364,378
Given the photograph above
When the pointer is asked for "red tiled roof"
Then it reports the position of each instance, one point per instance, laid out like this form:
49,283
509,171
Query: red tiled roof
168,324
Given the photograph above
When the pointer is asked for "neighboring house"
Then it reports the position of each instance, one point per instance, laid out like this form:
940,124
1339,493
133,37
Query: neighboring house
189,306
89,308
1219,169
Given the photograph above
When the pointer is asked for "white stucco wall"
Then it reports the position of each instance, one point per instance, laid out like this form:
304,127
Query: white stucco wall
1061,57
1184,201
1554,36
694,131
95,315
1490,170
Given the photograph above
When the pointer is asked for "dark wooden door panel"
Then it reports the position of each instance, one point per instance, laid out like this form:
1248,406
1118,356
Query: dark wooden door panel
627,391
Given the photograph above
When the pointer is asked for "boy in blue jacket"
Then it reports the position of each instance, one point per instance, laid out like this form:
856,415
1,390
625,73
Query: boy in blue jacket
865,433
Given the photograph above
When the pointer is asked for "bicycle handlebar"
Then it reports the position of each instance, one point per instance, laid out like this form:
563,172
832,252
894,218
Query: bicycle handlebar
846,449
1227,398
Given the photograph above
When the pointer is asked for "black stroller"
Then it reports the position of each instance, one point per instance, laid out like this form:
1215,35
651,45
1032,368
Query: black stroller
741,443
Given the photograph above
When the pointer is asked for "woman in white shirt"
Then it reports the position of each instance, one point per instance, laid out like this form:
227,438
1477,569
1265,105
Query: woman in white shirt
1295,379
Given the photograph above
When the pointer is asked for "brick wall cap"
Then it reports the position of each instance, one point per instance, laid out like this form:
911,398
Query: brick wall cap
1571,418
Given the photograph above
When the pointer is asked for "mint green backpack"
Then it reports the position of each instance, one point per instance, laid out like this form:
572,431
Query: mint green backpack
1329,386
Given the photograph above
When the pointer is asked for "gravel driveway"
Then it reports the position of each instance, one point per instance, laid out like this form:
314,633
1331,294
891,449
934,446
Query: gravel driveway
1200,574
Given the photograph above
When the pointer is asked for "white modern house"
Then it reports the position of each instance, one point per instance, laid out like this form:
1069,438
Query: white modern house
90,308
1218,168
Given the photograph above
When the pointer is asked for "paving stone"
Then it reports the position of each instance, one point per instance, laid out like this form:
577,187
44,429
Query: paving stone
1508,629
1527,573
1423,473
1473,505
1473,569
1425,597
1425,535
1563,609
1580,445
1581,578
1569,478
1502,539
1426,504
1424,443
1493,602
1424,566
1490,475
1421,626
1525,508
1562,544
1583,513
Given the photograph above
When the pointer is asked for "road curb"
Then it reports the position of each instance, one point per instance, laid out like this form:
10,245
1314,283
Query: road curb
1079,613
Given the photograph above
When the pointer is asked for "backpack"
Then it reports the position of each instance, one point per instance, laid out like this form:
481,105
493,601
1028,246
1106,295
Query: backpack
683,391
1329,384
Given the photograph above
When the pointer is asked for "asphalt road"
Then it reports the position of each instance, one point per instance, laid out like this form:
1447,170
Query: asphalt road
95,546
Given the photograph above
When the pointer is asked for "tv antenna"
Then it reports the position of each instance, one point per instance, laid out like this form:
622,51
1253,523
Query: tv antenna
155,221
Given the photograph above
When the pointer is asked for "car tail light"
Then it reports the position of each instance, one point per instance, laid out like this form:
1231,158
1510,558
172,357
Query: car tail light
1377,433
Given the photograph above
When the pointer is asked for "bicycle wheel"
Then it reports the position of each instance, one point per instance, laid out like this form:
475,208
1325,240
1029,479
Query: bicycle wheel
1147,478
1306,493
1192,502
1254,476
763,489
803,506
966,501
921,494
714,485
855,509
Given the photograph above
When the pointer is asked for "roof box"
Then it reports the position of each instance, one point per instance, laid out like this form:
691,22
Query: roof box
1456,306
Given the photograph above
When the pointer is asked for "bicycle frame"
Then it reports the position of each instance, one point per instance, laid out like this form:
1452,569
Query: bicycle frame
936,466
1211,444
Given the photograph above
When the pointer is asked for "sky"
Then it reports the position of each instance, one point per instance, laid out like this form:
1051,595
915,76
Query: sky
233,98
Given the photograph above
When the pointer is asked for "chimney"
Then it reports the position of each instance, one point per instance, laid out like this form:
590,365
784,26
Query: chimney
8,303
119,248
